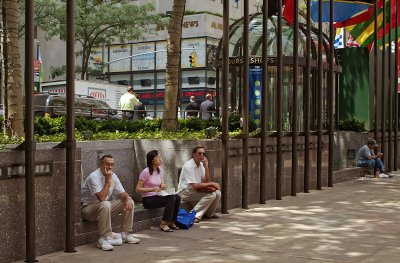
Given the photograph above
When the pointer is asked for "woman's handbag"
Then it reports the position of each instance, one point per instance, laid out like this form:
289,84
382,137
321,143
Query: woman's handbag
185,219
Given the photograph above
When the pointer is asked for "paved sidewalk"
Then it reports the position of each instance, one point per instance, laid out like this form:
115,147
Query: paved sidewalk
355,221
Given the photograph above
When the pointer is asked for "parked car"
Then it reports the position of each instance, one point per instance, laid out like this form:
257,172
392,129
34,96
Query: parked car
55,104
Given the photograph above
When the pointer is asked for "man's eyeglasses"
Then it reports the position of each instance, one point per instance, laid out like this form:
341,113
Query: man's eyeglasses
201,153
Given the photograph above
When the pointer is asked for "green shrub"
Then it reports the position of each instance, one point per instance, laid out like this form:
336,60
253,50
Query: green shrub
194,124
352,125
213,122
86,124
48,126
234,121
152,125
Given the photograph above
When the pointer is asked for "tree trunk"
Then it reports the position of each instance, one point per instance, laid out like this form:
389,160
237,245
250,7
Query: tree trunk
13,74
170,121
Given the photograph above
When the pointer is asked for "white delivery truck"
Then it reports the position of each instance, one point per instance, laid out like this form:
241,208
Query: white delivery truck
110,93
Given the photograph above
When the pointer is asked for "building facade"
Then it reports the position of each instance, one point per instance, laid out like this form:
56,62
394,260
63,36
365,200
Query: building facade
146,69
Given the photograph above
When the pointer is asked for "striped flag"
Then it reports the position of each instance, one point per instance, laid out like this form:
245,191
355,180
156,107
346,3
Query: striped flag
363,33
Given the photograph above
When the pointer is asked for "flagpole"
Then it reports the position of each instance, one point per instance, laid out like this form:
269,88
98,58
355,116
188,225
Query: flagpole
376,71
37,49
383,108
396,87
390,97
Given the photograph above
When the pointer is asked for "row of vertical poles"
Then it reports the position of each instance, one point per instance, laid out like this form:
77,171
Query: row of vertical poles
245,107
383,88
294,98
70,127
29,144
396,99
307,88
390,117
319,99
376,94
224,104
331,86
264,101
278,116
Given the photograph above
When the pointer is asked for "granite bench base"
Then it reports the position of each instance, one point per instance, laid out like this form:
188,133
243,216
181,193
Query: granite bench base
87,231
349,174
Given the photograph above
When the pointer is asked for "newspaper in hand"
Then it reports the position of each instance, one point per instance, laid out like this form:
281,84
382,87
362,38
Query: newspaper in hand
169,191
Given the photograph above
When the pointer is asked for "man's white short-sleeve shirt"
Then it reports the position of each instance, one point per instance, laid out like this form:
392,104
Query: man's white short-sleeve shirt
191,173
94,183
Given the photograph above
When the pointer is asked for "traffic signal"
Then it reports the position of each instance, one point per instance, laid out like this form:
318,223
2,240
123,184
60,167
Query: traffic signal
192,59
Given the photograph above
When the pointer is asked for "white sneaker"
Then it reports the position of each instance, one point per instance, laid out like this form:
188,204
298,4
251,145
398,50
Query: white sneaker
129,238
103,244
382,175
115,239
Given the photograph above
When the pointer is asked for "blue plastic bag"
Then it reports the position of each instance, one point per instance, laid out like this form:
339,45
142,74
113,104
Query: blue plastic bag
185,219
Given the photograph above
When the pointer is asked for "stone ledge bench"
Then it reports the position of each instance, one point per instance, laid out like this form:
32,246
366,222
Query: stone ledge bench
87,231
349,174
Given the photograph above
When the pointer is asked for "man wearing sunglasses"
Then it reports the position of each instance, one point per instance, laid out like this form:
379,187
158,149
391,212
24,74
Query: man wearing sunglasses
196,188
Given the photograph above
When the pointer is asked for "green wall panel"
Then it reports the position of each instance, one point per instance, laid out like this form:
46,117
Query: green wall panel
354,85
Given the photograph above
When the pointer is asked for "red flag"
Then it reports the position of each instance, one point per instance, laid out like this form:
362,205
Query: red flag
288,11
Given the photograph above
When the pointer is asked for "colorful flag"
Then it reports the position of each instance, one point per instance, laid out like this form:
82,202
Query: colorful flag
351,42
393,28
339,41
363,33
356,19
342,9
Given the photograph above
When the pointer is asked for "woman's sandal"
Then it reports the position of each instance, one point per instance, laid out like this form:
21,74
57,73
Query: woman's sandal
166,228
173,226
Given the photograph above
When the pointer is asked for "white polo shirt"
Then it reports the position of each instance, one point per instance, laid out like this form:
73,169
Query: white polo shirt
94,183
191,173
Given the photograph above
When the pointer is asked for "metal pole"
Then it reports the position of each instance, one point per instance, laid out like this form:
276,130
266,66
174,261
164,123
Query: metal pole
264,103
319,98
294,98
390,95
70,127
245,103
29,135
376,71
307,87
279,106
396,87
331,86
383,88
225,90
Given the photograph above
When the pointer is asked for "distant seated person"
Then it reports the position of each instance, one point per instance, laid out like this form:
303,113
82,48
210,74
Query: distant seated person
366,157
99,205
196,188
152,188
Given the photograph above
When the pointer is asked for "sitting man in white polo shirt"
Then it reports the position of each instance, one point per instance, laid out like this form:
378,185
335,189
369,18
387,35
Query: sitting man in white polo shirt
195,186
96,193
